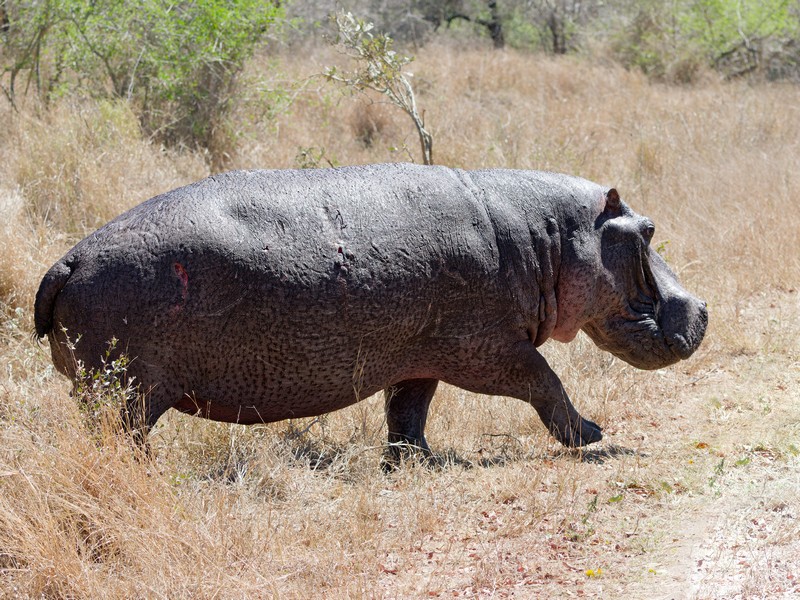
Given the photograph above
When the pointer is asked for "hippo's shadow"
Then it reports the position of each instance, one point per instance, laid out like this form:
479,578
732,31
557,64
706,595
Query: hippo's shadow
326,455
594,455
320,455
597,455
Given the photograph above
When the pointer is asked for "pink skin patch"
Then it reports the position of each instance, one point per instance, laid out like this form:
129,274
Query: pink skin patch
576,292
180,271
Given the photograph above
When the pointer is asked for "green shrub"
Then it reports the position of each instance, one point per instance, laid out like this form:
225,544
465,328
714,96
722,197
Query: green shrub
673,40
380,69
734,35
177,63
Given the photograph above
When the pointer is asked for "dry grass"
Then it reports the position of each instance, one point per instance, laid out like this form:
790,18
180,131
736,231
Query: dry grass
692,494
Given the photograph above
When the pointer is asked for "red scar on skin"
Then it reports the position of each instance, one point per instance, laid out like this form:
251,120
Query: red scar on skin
180,271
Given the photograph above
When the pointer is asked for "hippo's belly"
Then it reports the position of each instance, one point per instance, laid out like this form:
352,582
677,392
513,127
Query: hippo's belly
265,380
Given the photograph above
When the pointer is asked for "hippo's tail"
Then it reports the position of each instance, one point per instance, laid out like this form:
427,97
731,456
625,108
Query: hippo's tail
52,283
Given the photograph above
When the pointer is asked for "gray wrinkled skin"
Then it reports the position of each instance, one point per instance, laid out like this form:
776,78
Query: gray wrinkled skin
257,296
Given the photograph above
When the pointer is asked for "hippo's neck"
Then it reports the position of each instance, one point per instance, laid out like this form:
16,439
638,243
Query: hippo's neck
527,213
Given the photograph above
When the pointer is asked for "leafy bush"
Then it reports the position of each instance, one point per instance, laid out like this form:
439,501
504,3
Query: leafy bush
733,35
177,63
674,40
106,395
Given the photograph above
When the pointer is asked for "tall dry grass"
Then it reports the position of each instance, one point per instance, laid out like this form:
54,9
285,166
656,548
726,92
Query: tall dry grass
301,508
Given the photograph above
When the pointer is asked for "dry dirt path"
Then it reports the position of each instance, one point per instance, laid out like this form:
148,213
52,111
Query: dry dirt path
696,498
741,544
740,537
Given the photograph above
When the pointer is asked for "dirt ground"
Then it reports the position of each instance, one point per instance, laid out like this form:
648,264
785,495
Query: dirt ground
700,503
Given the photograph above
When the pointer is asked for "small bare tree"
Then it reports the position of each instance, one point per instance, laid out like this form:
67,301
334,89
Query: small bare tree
378,68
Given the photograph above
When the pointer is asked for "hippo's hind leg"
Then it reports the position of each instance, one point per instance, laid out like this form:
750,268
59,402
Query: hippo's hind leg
97,365
156,392
406,412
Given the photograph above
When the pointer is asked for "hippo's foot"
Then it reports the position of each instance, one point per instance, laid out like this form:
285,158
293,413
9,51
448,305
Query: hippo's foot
576,433
399,451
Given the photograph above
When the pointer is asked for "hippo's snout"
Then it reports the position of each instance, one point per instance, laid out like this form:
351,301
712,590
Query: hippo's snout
684,321
660,322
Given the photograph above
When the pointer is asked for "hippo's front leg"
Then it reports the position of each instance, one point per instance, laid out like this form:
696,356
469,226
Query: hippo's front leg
521,372
563,421
535,382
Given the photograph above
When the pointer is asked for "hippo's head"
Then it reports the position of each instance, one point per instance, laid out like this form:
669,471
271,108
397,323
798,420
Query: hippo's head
623,294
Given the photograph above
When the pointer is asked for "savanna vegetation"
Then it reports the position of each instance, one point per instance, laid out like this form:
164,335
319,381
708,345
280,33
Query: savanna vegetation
690,108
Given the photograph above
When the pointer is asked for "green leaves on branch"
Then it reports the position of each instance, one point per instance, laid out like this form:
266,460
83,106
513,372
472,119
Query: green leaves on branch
176,62
721,29
380,69
671,40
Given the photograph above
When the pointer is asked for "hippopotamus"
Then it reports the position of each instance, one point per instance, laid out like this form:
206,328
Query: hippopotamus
262,295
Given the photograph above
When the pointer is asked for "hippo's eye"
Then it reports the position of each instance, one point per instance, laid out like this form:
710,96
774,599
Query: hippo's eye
648,232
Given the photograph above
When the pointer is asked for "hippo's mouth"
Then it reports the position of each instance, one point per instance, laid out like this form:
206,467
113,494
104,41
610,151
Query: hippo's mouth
634,332
648,302
646,337
637,339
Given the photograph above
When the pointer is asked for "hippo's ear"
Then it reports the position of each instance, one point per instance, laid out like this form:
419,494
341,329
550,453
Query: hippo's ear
613,202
